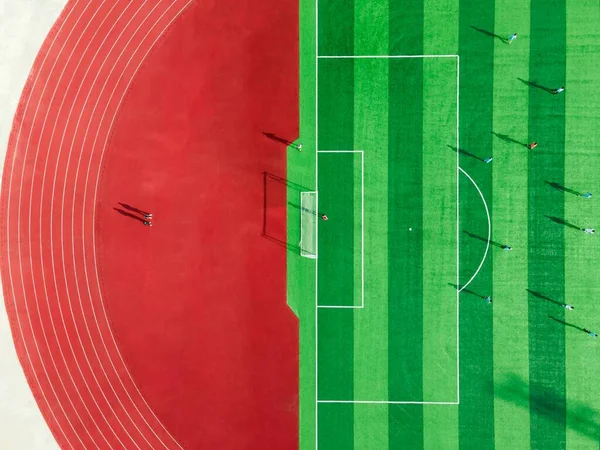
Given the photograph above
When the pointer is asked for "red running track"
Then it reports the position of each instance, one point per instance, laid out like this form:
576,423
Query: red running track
175,336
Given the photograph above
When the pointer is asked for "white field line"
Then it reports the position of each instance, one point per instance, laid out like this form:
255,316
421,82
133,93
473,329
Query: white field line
385,402
487,212
362,231
457,227
384,56
457,234
317,189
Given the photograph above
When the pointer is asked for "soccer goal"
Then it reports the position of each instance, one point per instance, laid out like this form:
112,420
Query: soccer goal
308,224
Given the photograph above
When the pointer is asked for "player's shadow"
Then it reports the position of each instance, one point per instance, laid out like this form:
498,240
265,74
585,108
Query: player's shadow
567,324
563,222
127,214
466,291
466,153
536,85
489,33
547,403
279,139
543,297
286,182
482,239
507,138
562,188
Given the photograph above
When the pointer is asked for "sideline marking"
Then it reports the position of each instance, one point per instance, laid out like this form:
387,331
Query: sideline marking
383,56
362,232
385,402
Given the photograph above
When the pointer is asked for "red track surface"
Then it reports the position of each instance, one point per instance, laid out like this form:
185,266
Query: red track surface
125,331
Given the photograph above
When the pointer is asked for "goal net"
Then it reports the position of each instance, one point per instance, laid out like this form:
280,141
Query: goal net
308,224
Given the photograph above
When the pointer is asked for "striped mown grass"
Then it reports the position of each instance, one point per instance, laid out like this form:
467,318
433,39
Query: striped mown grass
526,379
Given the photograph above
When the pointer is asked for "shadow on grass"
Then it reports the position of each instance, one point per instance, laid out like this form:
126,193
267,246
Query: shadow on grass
466,291
482,239
536,85
507,138
549,404
489,34
563,222
543,297
562,188
466,153
567,324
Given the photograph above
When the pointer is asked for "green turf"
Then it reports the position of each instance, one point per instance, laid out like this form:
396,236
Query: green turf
510,321
582,158
526,381
476,410
546,242
371,323
405,248
301,278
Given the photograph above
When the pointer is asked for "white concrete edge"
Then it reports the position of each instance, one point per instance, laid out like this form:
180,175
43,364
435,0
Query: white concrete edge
24,24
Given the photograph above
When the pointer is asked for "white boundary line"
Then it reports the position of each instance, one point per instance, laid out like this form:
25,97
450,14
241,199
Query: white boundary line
385,402
362,232
383,56
317,57
487,212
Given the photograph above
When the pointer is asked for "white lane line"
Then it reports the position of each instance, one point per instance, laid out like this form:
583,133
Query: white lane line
93,233
8,238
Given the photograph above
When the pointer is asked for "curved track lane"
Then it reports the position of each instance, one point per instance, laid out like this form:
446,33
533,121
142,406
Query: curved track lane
63,334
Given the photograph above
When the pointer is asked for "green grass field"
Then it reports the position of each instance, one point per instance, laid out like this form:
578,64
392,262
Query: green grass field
392,356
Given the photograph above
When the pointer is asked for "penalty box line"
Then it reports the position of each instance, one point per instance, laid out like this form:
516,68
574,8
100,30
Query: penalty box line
362,232
317,401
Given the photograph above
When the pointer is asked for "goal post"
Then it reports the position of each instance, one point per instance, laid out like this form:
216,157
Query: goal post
308,224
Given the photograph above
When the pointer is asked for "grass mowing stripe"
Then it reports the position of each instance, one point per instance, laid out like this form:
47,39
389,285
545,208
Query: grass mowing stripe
546,237
405,288
582,159
405,248
440,32
370,323
371,27
511,324
336,27
406,20
439,174
335,426
301,271
335,339
476,47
